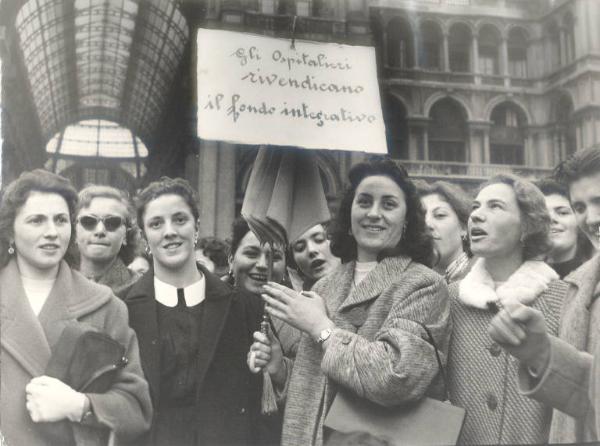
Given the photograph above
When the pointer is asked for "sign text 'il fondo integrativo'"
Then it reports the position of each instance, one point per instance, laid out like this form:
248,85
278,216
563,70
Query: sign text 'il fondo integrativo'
261,90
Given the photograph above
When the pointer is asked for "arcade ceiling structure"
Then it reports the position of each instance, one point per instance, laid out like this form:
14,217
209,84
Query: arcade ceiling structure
100,64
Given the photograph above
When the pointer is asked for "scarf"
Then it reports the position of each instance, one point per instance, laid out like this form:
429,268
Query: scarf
530,280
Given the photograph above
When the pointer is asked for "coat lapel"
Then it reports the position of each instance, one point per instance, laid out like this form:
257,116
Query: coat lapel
216,309
143,319
21,335
380,278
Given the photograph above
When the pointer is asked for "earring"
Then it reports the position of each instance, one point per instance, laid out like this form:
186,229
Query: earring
147,250
195,238
11,249
404,230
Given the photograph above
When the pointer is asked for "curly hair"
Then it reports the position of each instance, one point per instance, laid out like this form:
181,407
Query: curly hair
16,195
581,164
127,252
535,219
166,186
416,242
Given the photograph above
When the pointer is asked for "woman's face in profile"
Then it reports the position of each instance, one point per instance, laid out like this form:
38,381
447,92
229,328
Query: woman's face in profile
495,222
42,231
445,228
377,216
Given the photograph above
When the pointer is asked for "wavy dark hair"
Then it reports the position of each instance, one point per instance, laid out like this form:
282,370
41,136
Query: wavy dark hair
16,195
166,186
535,221
549,186
416,242
127,252
582,163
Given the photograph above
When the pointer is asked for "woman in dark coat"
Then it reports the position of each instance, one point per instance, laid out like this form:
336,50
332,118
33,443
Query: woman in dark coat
194,331
40,296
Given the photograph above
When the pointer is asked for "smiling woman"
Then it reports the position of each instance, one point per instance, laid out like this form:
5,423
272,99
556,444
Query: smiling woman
40,296
194,330
361,322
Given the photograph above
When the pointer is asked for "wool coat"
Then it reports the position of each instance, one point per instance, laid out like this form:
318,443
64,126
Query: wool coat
579,322
483,377
378,350
571,384
228,394
27,343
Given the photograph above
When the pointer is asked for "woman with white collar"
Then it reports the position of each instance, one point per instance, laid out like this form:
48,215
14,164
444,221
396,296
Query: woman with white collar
194,331
509,231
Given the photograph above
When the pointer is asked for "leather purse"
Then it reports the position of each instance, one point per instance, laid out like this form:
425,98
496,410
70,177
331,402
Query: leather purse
427,422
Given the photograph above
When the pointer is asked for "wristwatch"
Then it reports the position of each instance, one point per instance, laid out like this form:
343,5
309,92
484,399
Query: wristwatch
324,335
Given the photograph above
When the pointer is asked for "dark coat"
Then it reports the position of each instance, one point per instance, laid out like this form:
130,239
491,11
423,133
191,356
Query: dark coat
27,344
228,399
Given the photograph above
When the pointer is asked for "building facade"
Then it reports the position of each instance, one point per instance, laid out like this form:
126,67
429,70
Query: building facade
469,87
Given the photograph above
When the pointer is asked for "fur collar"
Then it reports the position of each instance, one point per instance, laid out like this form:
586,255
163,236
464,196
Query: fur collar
532,278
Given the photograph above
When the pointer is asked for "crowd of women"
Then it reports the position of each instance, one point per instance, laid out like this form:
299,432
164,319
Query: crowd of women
501,285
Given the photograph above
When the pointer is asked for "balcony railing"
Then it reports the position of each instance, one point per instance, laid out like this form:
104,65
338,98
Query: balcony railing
435,169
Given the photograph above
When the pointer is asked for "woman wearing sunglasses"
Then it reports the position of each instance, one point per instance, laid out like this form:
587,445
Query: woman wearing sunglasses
106,236
40,297
194,331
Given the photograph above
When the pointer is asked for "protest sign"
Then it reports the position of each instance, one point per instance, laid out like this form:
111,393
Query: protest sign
261,90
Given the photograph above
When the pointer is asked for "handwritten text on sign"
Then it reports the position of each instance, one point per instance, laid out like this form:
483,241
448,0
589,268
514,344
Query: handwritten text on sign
259,90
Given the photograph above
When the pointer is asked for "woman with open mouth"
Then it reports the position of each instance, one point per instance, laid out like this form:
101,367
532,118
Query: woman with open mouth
310,256
509,229
360,324
107,236
42,298
194,331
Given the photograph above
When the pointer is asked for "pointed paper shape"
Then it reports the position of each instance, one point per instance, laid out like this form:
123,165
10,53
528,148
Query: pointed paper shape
285,195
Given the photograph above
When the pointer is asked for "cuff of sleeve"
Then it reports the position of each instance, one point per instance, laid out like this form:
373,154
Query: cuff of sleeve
563,384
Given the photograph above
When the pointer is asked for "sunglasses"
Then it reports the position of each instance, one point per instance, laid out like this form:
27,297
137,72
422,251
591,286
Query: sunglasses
111,222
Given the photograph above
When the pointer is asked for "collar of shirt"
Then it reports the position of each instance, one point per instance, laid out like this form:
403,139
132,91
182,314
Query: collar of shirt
167,294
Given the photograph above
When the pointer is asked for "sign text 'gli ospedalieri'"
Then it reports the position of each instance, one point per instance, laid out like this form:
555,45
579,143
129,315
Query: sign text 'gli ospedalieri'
259,90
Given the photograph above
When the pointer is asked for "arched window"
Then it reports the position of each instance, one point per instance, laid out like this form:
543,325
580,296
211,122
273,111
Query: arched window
430,46
517,53
565,131
447,131
459,48
489,42
396,128
507,135
400,44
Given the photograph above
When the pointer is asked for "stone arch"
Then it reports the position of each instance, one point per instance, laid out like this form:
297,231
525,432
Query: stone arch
460,42
400,43
430,37
497,100
431,100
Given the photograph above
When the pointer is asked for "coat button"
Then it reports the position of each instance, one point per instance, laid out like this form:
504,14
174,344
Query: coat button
492,402
495,350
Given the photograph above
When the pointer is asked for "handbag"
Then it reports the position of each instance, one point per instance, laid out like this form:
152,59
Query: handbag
86,360
427,422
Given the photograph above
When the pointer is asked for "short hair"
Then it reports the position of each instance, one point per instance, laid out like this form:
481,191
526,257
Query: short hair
239,229
582,163
452,194
535,221
549,186
166,186
16,195
215,249
416,242
127,252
